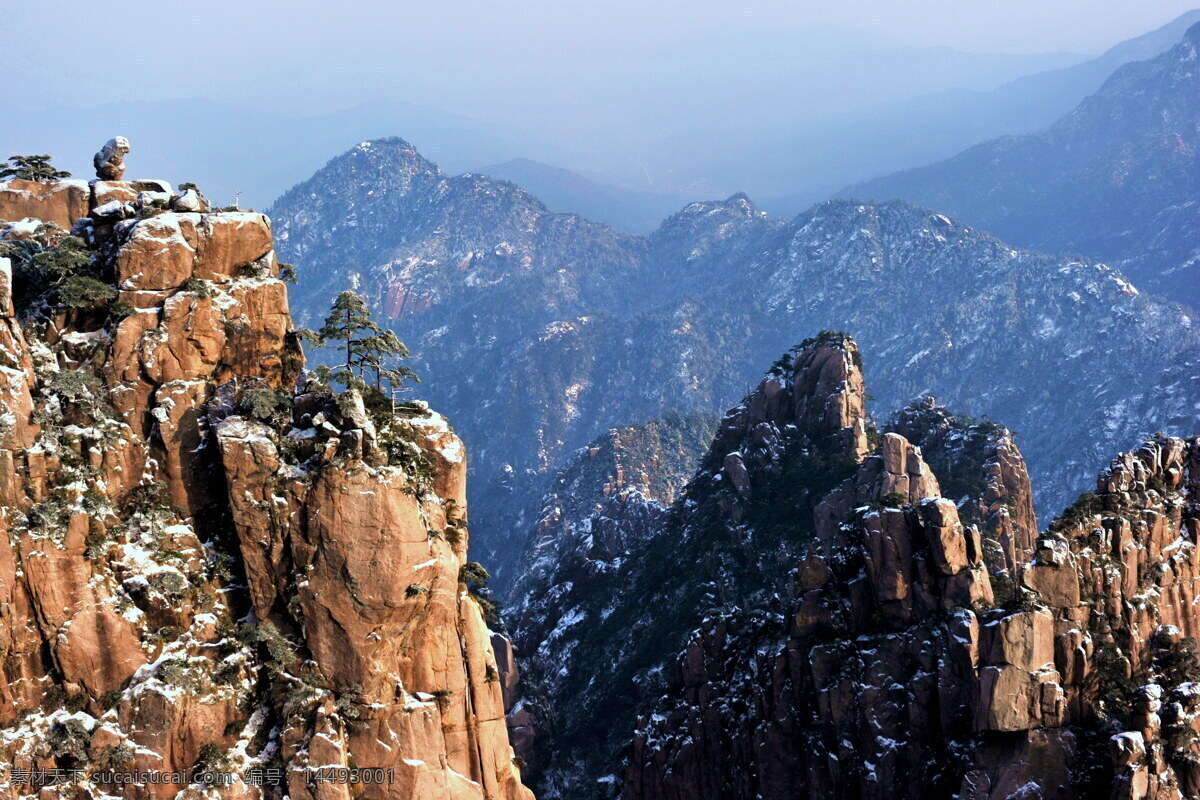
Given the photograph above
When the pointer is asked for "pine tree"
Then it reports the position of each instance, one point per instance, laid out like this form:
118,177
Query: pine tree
32,168
381,354
348,322
366,349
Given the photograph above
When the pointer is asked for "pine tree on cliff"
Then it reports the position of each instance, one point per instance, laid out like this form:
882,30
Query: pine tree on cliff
381,354
32,168
367,349
347,322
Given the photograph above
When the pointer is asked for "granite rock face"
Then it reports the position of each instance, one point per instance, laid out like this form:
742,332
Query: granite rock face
834,609
629,579
211,562
61,202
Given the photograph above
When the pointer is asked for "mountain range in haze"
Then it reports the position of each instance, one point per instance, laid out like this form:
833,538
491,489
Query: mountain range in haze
537,331
884,108
1116,179
786,174
833,151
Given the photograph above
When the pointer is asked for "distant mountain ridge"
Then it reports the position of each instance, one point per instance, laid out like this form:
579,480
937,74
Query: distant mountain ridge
829,153
1117,178
566,191
538,331
229,147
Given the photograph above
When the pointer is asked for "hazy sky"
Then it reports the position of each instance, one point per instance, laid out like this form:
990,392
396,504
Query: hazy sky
659,94
72,52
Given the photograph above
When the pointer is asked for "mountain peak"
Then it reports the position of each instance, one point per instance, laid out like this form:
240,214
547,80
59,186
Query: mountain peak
711,219
816,388
385,141
739,203
390,148
1193,34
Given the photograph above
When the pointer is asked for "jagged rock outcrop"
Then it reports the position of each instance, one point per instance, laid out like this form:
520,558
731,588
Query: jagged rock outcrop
373,584
932,648
829,611
984,473
613,623
210,561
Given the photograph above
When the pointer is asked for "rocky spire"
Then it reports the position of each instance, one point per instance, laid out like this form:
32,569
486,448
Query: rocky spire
109,161
912,665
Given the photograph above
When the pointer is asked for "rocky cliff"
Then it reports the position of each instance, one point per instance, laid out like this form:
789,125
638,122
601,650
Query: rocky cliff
938,648
832,608
601,634
212,562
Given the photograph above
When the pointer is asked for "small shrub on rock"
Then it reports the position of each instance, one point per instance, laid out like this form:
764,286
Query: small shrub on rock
69,742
